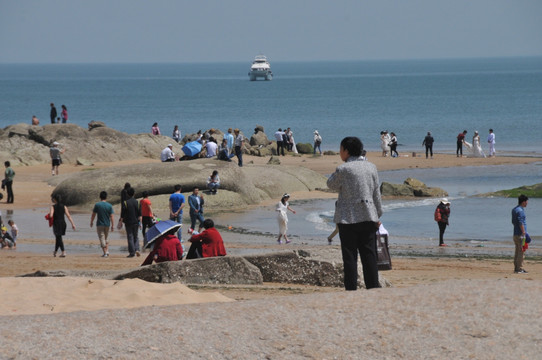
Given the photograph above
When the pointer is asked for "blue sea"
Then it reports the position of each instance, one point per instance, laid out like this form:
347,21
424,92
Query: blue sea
338,99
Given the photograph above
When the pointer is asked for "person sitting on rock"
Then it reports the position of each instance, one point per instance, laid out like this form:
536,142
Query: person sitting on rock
166,248
224,152
208,243
167,154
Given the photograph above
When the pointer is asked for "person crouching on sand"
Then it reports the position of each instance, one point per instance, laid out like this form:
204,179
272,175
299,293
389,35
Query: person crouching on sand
208,243
166,248
282,217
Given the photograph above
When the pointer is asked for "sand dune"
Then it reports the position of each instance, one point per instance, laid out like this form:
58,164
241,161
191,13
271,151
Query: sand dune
29,296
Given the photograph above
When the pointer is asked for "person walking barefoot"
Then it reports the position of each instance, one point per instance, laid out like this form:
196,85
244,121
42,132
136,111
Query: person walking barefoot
57,212
282,217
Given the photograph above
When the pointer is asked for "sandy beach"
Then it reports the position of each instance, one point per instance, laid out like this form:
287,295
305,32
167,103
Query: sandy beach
425,287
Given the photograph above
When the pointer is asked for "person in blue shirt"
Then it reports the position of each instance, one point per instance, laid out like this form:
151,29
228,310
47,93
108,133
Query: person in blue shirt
176,205
520,229
229,139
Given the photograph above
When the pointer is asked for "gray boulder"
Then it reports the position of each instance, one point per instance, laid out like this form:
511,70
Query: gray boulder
259,139
289,267
304,148
28,145
273,161
258,128
250,184
216,270
95,124
411,187
389,189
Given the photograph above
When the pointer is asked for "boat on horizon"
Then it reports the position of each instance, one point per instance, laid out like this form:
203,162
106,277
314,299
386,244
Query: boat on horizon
260,68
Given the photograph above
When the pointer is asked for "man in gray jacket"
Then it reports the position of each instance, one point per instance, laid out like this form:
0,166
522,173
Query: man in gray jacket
357,212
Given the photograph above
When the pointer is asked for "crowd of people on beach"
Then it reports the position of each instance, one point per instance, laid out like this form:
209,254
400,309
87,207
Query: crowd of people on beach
357,213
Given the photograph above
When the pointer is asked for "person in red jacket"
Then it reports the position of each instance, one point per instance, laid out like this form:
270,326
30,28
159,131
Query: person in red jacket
166,248
208,243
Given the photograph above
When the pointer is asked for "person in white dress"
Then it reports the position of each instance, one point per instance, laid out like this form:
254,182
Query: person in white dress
476,147
384,142
491,141
282,207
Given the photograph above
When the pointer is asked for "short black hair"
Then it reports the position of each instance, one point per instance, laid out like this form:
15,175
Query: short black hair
208,223
103,195
130,192
522,198
195,187
7,163
145,194
127,186
177,187
353,145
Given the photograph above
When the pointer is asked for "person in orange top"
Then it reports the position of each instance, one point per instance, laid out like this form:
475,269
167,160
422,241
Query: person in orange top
208,243
147,216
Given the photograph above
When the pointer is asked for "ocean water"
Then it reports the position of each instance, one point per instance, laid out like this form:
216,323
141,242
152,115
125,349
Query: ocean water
474,220
337,98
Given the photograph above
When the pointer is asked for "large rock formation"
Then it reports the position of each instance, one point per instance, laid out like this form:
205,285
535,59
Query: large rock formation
217,270
250,184
411,187
29,145
281,267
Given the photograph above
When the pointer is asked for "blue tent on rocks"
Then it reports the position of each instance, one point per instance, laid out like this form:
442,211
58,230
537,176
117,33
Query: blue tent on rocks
192,148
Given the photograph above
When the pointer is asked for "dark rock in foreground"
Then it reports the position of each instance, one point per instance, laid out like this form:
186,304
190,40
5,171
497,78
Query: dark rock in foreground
281,267
217,270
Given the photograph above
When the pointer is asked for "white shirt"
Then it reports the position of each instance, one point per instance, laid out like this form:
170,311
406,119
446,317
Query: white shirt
278,135
167,154
491,138
211,148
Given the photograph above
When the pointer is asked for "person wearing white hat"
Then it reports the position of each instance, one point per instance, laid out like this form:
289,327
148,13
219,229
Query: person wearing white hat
442,213
317,142
167,154
56,160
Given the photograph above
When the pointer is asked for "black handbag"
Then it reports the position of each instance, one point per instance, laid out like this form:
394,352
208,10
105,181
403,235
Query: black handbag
383,253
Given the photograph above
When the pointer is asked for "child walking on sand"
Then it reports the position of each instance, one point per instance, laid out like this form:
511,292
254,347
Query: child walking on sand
14,232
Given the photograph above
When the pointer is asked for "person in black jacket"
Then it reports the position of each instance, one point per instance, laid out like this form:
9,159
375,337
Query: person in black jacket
131,217
428,142
53,113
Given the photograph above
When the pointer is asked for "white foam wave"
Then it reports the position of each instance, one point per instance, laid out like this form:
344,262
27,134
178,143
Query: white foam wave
322,221
411,204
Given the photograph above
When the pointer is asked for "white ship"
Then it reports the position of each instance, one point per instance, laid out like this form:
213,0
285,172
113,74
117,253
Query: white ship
260,69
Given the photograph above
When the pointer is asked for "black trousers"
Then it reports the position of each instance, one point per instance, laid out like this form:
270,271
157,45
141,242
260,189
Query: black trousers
59,244
9,189
239,155
280,147
459,148
359,237
441,228
428,148
195,251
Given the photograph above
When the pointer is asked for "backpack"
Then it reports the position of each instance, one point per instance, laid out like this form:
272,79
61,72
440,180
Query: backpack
438,217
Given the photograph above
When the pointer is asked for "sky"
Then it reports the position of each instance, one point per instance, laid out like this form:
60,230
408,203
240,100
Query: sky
142,31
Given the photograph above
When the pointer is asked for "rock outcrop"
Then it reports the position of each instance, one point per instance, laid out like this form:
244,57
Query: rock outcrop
29,145
280,267
250,184
217,270
25,144
411,187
